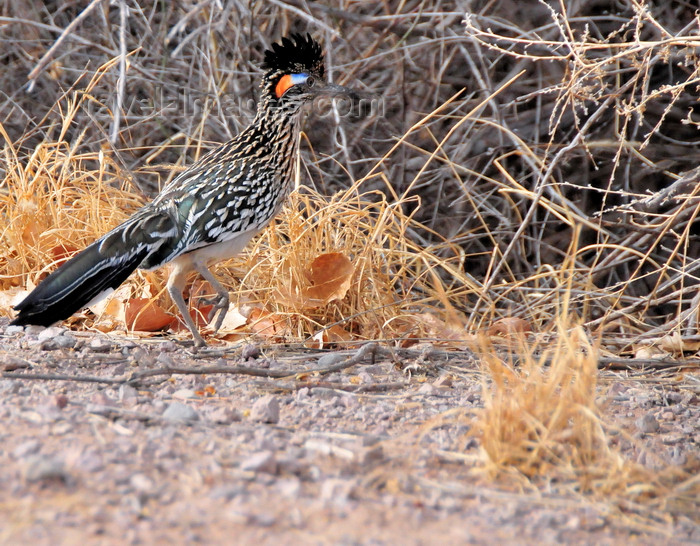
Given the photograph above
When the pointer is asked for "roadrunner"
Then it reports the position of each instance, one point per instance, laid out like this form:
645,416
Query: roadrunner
210,211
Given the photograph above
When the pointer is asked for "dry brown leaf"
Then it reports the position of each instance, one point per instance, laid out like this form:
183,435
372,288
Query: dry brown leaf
673,343
266,324
11,297
329,277
146,315
233,320
416,328
110,309
331,336
508,326
62,253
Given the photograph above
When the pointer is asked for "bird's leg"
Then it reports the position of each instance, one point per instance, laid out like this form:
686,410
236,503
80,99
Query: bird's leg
176,285
220,301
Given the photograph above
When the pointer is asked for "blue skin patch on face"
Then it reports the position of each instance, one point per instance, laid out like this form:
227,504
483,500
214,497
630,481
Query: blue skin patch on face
299,78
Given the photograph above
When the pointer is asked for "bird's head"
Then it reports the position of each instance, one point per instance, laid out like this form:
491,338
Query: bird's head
295,74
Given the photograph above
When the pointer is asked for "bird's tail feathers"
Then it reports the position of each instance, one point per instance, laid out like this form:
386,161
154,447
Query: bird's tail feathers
78,282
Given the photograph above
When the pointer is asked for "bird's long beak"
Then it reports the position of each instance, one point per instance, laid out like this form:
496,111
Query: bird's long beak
335,90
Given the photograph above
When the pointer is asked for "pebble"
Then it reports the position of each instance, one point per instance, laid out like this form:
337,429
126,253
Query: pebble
13,329
647,423
30,447
266,409
165,359
61,401
336,491
224,416
100,345
227,492
184,394
330,359
177,411
50,332
250,351
365,378
141,483
370,455
40,468
262,461
428,388
127,393
32,330
168,347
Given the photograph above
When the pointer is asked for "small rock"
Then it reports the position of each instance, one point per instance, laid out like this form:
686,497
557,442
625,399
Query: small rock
66,341
13,330
61,401
101,399
647,423
331,359
678,457
168,347
141,483
227,492
40,468
184,394
50,333
30,447
264,520
668,416
47,345
427,388
290,487
90,461
32,330
128,394
100,345
336,491
674,397
266,410
178,411
365,378
224,416
262,461
165,359
12,363
370,455
250,351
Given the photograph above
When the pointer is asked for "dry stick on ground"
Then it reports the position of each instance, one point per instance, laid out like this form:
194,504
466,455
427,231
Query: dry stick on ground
364,351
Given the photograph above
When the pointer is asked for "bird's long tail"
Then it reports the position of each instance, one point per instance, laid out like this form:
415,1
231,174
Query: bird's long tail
78,282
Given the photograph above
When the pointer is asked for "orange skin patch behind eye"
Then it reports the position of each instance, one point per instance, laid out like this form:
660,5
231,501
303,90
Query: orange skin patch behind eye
282,85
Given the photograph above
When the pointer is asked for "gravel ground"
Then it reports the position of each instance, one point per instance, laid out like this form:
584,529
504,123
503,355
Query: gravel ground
353,456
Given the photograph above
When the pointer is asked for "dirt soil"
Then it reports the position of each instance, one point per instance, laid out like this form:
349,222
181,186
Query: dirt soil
95,450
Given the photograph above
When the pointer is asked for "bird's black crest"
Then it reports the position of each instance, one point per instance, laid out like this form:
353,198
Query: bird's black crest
298,54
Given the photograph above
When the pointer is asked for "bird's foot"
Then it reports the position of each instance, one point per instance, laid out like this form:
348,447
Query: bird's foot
220,304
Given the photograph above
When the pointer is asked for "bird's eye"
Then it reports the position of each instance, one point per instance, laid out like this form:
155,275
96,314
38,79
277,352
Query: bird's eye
310,81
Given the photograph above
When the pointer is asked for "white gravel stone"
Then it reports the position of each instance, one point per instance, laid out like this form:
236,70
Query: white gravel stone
178,411
40,468
266,409
50,333
262,461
